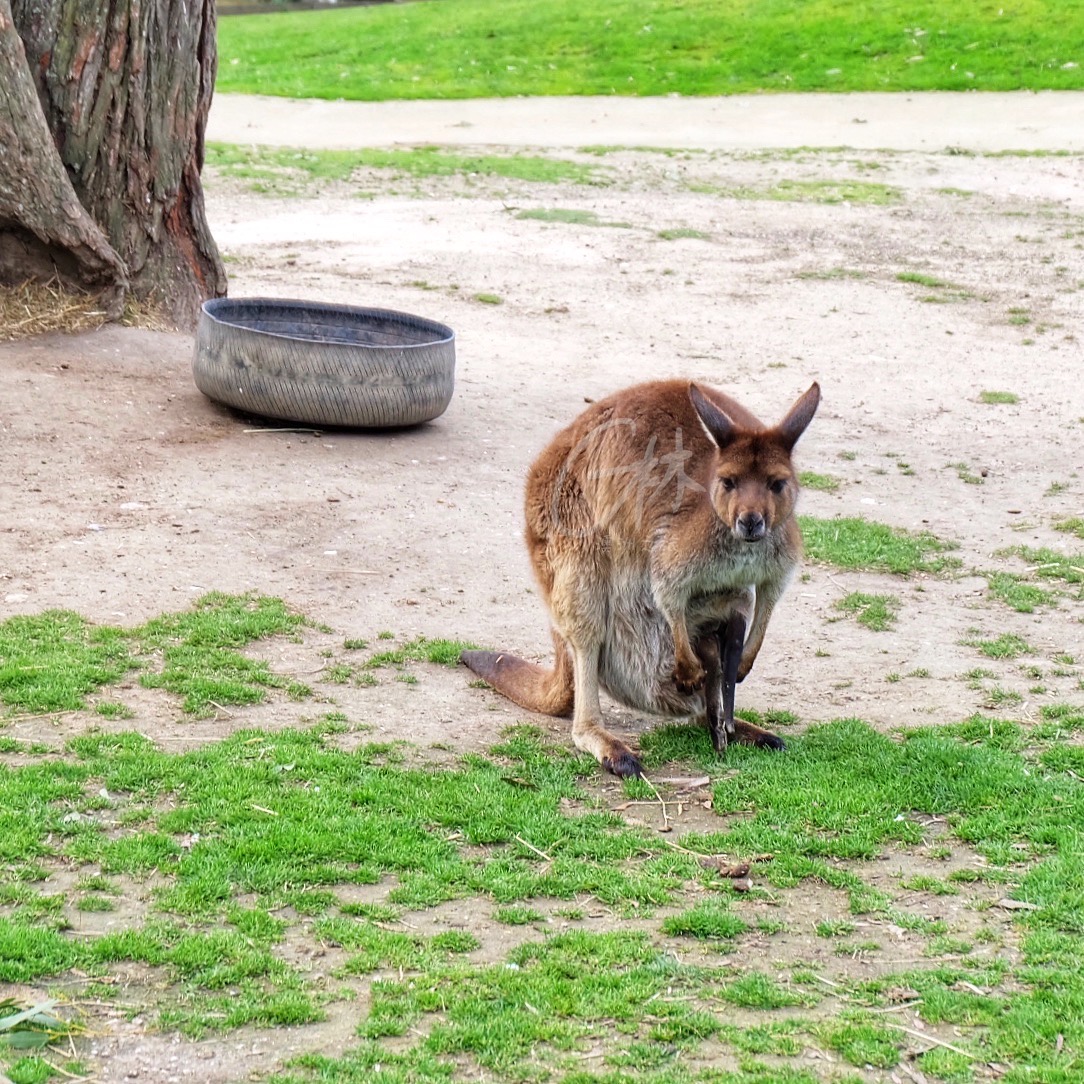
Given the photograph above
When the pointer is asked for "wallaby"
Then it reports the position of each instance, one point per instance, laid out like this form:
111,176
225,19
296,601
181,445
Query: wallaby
661,526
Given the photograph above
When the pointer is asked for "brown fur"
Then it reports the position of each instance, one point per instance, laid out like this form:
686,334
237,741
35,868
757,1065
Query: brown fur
661,527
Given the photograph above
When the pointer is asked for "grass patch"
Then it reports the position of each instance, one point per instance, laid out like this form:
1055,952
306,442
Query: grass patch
756,990
1019,590
876,612
856,543
682,233
1006,646
501,48
1017,593
946,292
967,475
833,274
791,191
1073,525
421,649
286,821
52,661
1052,565
266,167
920,279
199,660
708,921
571,217
266,848
844,781
824,483
993,398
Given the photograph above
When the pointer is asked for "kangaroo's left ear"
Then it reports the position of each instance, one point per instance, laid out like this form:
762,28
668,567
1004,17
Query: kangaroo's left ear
798,417
716,423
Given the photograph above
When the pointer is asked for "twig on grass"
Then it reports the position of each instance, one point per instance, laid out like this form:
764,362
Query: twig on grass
531,847
666,825
932,1039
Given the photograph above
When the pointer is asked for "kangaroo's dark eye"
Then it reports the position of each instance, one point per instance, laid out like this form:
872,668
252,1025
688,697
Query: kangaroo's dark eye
778,485
728,483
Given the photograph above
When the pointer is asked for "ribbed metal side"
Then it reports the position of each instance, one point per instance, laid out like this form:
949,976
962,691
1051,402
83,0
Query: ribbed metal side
324,364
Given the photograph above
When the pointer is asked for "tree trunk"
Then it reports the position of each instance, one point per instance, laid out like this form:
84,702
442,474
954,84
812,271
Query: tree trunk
44,229
114,94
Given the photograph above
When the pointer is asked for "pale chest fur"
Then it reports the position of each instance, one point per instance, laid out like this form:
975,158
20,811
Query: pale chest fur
723,564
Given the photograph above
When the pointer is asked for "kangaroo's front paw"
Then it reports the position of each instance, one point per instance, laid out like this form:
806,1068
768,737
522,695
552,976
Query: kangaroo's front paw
688,676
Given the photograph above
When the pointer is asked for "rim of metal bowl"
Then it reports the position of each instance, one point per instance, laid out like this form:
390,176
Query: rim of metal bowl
442,332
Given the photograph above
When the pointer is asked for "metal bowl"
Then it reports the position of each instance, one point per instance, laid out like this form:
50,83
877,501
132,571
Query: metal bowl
306,361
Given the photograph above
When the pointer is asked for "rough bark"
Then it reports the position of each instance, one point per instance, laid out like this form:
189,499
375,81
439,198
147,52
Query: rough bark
44,229
124,88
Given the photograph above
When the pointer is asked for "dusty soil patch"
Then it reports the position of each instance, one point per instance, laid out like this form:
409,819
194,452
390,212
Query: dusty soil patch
126,493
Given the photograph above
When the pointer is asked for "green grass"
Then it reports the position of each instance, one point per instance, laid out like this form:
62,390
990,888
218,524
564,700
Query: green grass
197,649
1018,593
826,191
920,279
967,475
1006,646
1073,525
993,398
273,167
946,292
711,920
856,543
421,649
833,274
500,48
1052,565
52,661
825,483
449,891
682,233
569,216
1019,589
876,612
286,820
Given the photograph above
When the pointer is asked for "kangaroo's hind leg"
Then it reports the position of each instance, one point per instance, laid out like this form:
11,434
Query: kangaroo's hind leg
579,604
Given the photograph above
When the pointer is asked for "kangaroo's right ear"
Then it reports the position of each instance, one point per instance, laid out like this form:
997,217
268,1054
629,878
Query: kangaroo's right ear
717,424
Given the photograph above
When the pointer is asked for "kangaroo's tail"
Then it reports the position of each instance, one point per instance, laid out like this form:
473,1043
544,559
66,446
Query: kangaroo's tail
531,686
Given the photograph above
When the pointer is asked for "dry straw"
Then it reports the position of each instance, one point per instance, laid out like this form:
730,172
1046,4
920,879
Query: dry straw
38,308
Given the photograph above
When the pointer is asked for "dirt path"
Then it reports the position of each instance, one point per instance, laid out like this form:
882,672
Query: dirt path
1047,121
908,281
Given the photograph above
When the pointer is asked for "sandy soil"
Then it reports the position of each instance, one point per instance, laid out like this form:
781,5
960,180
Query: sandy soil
126,493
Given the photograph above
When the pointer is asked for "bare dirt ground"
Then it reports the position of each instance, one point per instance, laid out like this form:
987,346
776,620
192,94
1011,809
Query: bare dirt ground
126,493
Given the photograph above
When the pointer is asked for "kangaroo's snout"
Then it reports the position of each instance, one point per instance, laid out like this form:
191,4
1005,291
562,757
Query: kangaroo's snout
750,527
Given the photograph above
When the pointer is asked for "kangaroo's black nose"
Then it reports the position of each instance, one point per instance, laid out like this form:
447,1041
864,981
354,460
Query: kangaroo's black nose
751,527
